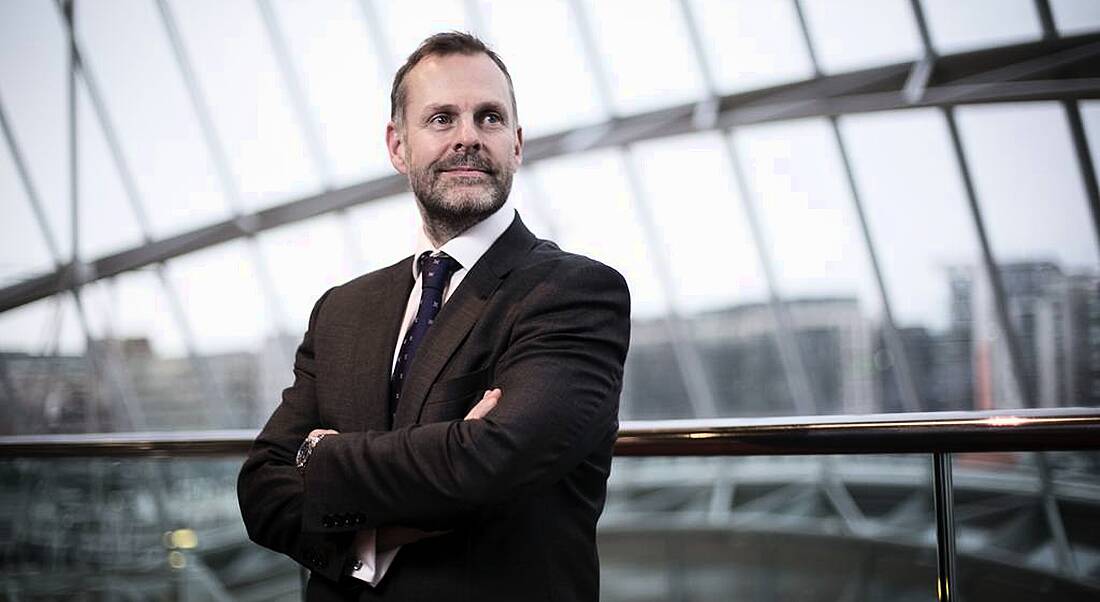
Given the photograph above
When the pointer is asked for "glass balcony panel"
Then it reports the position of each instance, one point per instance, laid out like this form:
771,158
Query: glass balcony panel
1026,525
132,529
769,528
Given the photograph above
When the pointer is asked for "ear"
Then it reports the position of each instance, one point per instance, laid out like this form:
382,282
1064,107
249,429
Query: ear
519,146
395,144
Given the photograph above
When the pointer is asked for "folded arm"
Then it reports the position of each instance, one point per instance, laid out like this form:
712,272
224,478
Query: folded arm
562,374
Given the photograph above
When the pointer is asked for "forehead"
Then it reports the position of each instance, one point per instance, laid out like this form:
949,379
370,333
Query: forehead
457,79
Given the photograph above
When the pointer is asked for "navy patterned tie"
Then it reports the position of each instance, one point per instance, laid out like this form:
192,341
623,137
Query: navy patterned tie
435,272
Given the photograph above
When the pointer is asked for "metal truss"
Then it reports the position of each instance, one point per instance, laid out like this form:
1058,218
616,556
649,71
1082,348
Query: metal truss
1061,69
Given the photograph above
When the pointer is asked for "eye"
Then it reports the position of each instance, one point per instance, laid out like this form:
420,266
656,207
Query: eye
493,118
440,119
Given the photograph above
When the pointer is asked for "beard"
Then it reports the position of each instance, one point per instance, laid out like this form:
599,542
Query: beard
450,205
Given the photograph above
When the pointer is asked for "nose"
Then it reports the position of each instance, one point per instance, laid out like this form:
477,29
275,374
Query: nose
467,137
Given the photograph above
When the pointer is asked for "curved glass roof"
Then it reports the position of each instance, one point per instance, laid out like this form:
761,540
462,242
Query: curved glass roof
905,208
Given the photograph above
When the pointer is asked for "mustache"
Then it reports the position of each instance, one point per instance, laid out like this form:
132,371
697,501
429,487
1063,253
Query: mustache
465,161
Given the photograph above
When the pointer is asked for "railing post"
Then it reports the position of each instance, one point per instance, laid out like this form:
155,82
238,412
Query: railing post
946,584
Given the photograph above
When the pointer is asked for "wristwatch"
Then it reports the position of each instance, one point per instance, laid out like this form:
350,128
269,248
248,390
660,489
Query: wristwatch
306,450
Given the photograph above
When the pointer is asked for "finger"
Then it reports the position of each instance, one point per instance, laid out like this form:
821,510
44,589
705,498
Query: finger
482,408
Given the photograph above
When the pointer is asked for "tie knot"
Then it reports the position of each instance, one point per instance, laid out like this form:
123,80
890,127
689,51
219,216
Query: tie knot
436,270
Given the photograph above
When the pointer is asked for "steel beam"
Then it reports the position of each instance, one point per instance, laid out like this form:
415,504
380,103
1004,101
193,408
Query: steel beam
870,90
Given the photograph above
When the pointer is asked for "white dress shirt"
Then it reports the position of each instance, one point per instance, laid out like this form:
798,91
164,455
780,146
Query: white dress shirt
467,248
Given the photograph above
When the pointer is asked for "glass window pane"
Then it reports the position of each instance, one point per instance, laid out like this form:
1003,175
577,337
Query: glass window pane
543,62
223,298
244,91
699,217
1041,232
46,383
23,248
852,34
587,192
385,230
751,44
34,88
342,79
927,248
645,53
961,26
796,177
134,306
306,259
152,116
1031,194
107,221
916,207
1076,16
406,24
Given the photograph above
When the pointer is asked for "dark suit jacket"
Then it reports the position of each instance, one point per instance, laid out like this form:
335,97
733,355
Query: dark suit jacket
519,491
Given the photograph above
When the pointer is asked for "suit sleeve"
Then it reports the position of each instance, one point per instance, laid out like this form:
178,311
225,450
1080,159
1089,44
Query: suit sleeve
560,375
270,489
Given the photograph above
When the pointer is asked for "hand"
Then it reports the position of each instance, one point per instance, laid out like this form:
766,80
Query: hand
483,407
316,432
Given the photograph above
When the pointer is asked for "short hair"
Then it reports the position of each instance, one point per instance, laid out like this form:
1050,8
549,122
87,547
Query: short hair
443,44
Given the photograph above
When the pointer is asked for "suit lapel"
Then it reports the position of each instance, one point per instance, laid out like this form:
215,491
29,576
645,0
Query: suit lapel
458,316
379,320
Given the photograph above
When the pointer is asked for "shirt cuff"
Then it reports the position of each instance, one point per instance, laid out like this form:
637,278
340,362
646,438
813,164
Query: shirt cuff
370,564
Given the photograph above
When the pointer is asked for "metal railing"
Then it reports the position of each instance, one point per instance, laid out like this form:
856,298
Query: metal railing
937,433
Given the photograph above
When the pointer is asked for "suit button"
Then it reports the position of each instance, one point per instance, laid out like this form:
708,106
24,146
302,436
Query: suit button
359,518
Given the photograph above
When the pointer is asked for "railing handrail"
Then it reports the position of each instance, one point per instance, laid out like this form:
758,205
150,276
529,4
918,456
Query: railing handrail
1045,429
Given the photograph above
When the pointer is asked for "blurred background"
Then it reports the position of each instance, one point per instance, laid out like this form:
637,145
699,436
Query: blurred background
821,207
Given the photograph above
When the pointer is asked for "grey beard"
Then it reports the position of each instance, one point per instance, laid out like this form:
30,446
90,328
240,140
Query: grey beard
445,220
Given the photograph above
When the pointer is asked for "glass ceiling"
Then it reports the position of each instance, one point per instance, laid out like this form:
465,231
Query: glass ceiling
854,277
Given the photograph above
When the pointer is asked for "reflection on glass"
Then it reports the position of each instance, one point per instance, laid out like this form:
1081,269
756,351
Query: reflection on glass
100,529
1026,525
779,528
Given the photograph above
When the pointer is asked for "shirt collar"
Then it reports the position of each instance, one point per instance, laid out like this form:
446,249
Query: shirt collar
469,246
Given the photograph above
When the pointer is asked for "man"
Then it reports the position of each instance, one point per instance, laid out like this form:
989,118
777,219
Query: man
448,434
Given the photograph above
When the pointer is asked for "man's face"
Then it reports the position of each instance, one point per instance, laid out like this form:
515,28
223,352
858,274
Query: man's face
459,142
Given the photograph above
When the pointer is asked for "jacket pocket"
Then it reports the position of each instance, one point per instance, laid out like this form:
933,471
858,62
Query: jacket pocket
459,387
